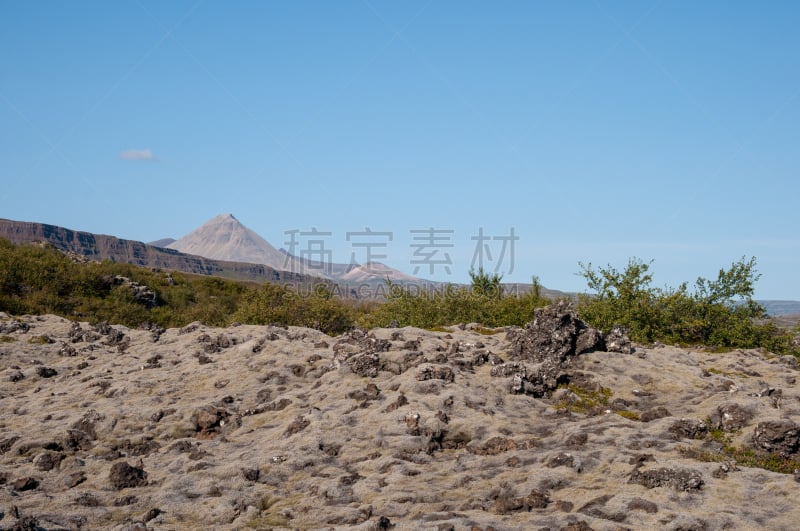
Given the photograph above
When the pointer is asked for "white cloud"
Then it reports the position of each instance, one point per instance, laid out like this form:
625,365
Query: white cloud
137,154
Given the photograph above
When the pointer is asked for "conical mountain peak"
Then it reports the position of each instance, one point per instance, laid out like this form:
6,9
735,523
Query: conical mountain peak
225,238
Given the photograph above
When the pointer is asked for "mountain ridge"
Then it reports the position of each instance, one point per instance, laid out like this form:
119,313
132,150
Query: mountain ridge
106,247
224,237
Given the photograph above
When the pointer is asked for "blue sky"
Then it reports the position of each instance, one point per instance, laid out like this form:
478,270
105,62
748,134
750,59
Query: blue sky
598,130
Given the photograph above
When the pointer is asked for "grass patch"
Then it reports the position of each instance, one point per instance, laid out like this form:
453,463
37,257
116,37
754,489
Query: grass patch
268,521
7,339
630,415
40,340
728,374
746,457
588,402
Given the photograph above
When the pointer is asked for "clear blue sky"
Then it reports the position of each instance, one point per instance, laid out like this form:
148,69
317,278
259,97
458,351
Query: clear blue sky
598,130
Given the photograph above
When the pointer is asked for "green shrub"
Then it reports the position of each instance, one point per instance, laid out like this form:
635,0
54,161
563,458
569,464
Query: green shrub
40,340
278,304
38,279
432,308
719,313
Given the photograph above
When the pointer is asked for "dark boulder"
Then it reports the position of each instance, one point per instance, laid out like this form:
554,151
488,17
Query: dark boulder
689,429
655,413
679,479
82,433
617,340
26,483
779,437
142,294
730,417
548,344
123,476
365,365
552,335
46,372
212,420
435,372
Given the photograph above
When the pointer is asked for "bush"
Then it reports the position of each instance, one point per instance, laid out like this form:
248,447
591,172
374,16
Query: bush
39,279
278,304
483,303
720,313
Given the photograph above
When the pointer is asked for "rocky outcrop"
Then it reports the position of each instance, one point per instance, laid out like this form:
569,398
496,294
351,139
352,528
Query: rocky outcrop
545,348
779,437
678,479
123,476
555,335
140,293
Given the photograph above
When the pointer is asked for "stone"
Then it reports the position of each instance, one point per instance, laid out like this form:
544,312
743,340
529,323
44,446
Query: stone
654,414
589,340
365,365
123,476
561,459
596,509
25,483
212,420
14,326
435,372
46,372
509,369
74,479
730,417
684,480
141,294
547,345
494,446
251,474
688,429
779,437
48,461
88,423
551,336
7,443
297,425
26,523
617,340
639,504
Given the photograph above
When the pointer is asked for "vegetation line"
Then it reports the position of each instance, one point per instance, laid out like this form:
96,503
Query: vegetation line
37,279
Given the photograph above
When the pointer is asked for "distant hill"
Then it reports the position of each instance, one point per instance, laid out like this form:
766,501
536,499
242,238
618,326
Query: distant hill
349,280
103,247
777,308
163,242
226,238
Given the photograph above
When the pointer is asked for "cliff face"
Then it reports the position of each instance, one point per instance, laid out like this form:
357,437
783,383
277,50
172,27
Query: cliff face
103,247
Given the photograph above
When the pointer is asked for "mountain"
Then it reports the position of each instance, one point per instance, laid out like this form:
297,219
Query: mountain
777,308
375,271
163,242
103,247
226,238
